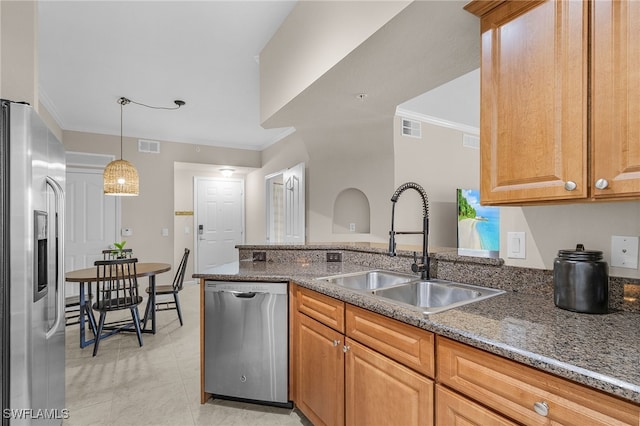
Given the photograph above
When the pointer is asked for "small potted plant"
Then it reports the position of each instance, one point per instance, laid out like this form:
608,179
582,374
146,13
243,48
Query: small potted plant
119,249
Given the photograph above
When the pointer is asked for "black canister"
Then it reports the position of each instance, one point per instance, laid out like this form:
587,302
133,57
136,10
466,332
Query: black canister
581,281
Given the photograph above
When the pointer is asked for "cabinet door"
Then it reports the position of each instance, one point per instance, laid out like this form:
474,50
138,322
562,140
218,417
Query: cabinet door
320,372
533,130
454,409
616,99
380,391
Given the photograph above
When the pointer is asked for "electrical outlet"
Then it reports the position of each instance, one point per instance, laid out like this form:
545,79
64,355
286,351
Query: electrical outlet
334,256
352,227
259,256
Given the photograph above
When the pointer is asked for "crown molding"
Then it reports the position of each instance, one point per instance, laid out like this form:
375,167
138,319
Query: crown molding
437,121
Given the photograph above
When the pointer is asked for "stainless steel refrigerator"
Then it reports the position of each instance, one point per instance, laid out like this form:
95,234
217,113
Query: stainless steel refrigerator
32,175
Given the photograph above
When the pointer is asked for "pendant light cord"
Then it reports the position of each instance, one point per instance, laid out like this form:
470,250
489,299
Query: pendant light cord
122,101
178,102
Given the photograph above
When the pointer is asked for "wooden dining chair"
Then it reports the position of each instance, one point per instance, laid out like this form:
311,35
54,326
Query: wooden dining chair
170,290
117,290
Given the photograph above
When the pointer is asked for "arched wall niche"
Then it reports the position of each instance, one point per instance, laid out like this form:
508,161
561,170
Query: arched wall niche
351,212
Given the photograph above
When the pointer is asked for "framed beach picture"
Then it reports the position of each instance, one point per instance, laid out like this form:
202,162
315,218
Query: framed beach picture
478,226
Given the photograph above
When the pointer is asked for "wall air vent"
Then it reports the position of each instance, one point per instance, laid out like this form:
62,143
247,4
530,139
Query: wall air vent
470,141
152,147
411,128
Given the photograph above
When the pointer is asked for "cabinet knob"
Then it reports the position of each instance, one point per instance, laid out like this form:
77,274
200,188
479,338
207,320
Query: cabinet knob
336,342
570,185
345,348
602,183
541,408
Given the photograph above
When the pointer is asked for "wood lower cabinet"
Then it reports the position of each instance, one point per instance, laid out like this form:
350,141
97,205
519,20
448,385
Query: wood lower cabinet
375,381
380,391
524,394
320,372
454,409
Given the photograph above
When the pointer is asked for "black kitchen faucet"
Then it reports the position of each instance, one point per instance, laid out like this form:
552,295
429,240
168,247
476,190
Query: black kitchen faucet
422,267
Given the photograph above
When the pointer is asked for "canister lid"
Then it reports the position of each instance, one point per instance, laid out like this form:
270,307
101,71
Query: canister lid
580,254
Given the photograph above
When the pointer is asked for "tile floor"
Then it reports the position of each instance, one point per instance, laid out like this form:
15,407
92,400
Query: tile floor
156,384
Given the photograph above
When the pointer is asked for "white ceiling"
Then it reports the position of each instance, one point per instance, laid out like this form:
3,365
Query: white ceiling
203,52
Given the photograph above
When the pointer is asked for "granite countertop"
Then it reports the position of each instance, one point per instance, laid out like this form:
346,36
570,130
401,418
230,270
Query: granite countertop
600,351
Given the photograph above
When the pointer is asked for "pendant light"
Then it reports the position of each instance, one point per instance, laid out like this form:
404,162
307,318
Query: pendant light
120,176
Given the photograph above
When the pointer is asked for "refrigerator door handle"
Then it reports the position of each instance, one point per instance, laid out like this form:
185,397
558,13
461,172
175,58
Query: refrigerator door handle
59,197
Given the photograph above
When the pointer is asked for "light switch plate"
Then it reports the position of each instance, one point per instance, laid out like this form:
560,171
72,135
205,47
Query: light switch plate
126,232
516,243
624,252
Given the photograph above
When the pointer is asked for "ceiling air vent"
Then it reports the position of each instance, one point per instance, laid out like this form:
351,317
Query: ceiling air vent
152,147
411,128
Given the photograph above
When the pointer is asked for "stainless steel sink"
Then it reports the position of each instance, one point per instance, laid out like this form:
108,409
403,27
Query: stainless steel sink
434,296
370,280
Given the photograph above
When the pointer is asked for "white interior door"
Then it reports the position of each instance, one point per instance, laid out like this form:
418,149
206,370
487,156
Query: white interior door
219,221
91,220
294,205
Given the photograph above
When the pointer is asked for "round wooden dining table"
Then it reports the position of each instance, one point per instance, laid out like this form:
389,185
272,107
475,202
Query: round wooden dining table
88,276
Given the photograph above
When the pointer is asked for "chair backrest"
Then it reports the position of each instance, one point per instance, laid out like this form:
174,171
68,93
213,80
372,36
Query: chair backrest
117,284
113,253
178,279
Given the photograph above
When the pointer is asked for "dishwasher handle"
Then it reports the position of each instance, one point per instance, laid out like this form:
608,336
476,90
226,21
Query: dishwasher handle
243,295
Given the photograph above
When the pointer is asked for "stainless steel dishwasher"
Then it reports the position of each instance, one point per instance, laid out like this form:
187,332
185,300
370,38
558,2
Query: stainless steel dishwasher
246,341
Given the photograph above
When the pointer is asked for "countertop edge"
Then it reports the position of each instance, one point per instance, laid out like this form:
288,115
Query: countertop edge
610,385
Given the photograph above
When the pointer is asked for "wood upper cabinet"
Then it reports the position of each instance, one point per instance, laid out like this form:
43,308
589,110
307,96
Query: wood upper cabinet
615,99
533,130
536,73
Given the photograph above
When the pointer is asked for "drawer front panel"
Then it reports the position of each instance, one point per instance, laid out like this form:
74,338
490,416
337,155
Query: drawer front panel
404,343
513,389
454,409
325,309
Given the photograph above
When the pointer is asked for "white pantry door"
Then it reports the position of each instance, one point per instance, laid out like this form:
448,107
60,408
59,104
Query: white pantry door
219,221
294,204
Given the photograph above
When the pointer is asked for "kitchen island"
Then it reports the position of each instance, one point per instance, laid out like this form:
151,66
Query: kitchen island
599,351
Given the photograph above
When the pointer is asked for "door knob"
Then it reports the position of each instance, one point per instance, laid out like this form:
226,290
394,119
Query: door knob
602,183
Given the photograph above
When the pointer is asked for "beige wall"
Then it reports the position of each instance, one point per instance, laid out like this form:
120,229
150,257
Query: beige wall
280,156
440,164
19,51
315,36
552,228
343,157
153,209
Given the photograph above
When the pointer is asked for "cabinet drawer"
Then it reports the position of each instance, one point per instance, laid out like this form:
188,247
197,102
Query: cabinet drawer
454,409
404,343
512,389
325,309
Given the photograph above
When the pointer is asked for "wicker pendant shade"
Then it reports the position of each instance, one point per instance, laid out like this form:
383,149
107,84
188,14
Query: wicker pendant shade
120,176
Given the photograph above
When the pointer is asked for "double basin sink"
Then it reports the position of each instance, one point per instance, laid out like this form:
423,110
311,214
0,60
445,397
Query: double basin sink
430,296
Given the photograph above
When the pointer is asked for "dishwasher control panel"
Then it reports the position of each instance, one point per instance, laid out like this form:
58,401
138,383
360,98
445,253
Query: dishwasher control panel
247,287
